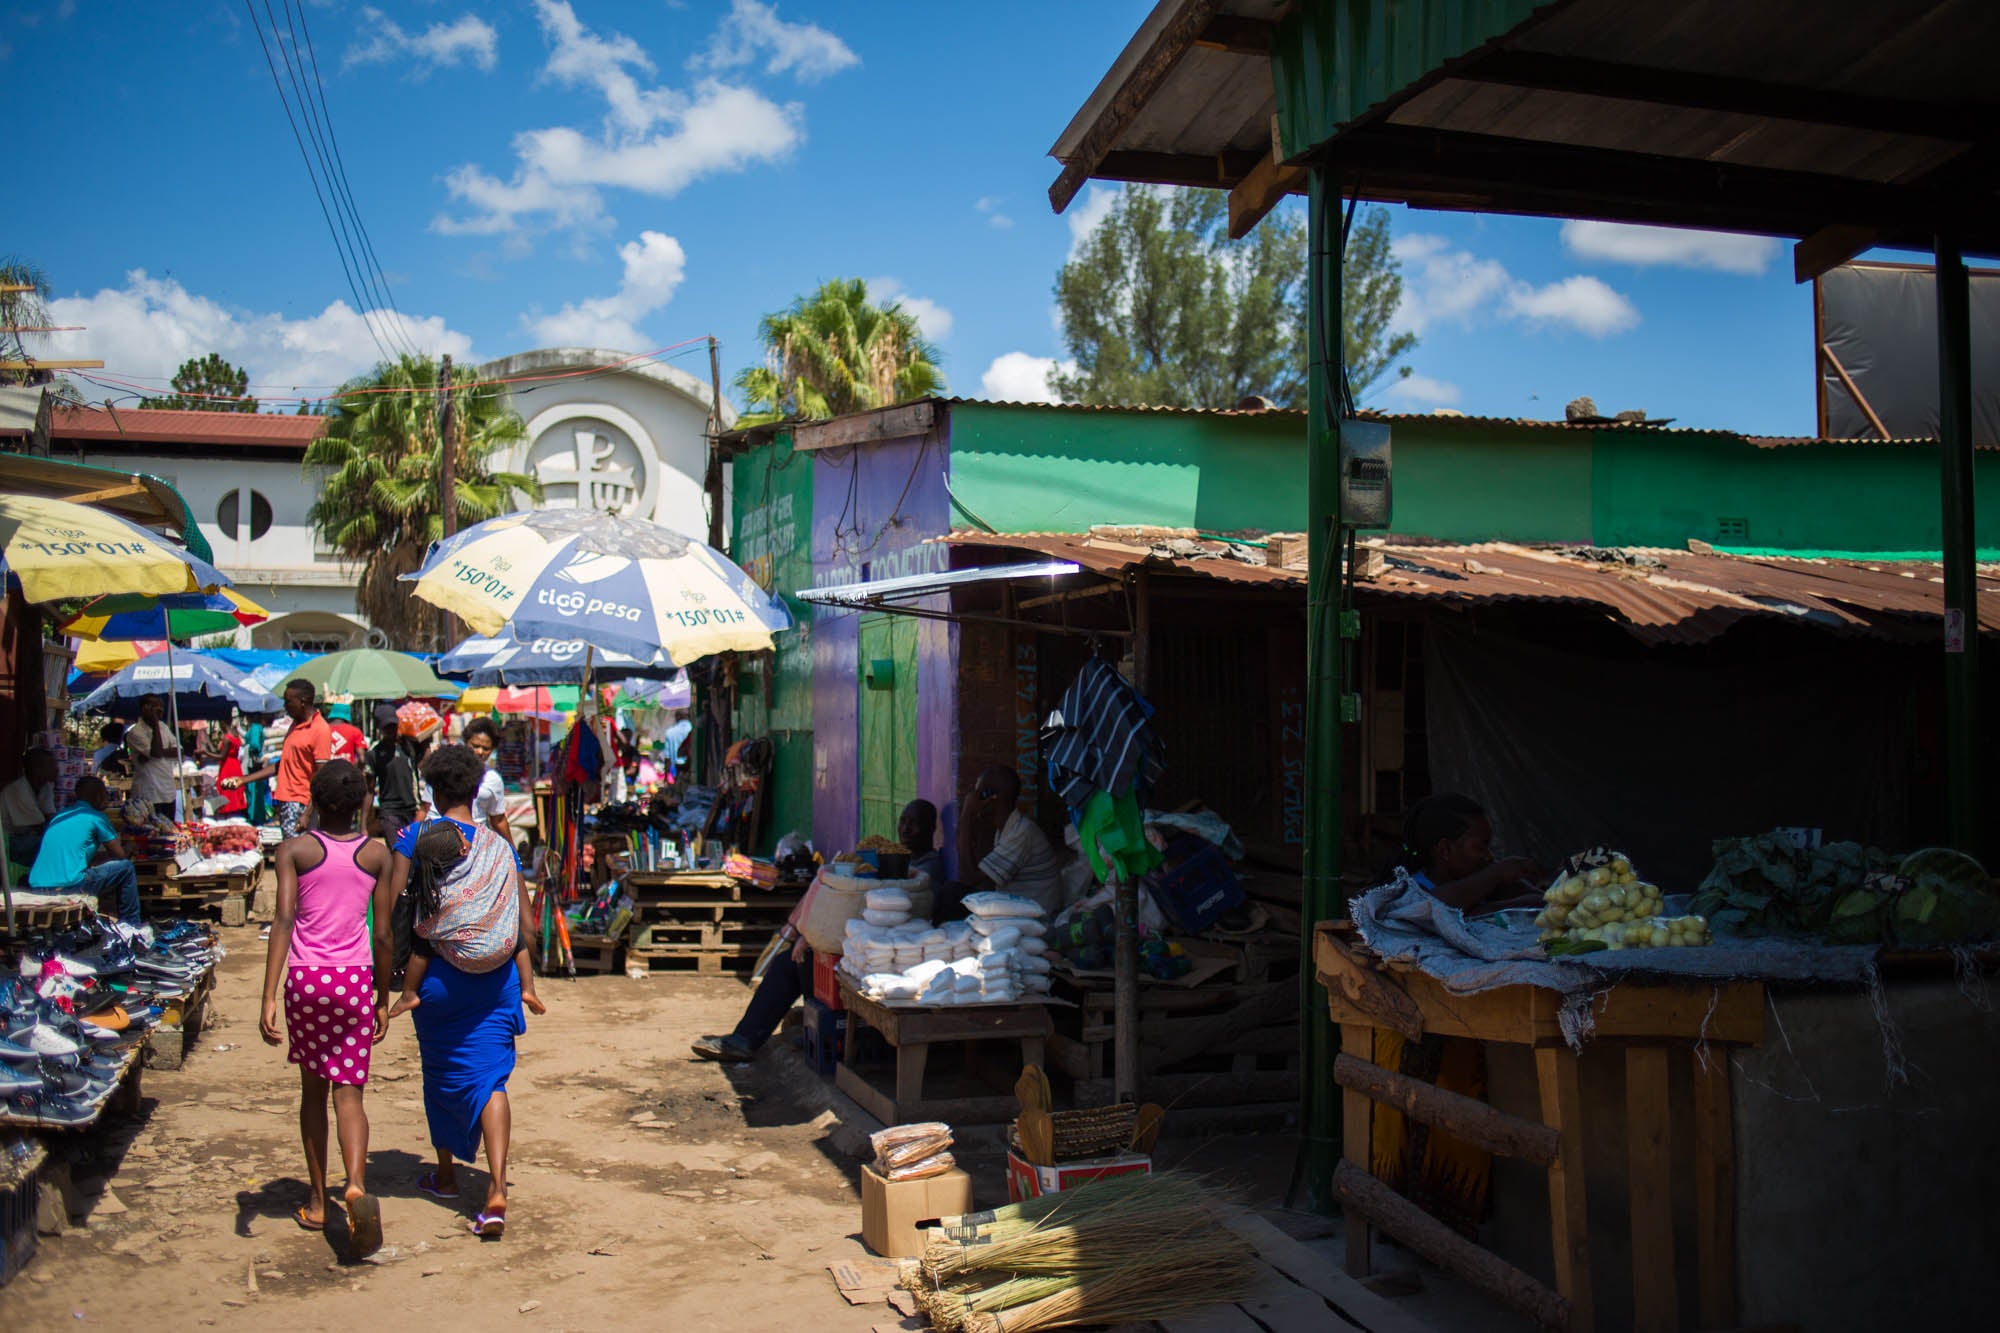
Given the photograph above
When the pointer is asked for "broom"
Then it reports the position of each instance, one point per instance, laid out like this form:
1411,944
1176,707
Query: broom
1149,1283
1043,1234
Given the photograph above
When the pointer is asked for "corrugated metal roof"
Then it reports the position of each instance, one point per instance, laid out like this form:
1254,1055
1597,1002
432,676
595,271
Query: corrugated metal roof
154,425
1666,597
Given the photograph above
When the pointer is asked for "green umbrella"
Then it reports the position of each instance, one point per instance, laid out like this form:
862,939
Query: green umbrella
374,673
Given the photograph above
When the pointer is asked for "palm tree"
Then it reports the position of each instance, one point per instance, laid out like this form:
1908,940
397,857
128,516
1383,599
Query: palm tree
836,352
379,505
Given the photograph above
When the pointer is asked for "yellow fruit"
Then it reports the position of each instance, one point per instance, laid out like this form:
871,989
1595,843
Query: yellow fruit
1620,866
1599,877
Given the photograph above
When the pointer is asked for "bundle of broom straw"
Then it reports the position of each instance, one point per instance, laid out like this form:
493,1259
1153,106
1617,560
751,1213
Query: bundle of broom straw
1134,1247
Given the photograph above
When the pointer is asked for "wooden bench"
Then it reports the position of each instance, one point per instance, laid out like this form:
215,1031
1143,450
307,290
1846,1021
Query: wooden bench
911,1032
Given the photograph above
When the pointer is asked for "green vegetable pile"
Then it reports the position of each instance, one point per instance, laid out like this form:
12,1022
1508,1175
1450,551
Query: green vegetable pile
1845,893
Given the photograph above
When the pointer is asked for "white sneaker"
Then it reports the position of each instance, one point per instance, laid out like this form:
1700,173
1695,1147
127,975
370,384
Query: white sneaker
47,1041
75,967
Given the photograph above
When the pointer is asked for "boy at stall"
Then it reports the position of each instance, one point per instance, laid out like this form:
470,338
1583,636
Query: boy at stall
440,846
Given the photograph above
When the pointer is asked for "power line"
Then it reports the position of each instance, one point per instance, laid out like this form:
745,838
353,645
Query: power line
345,187
352,288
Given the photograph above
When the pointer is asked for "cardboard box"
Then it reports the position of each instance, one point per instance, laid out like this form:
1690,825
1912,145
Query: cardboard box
894,1213
1028,1181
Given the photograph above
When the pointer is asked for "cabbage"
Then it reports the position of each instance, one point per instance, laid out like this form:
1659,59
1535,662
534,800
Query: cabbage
1947,898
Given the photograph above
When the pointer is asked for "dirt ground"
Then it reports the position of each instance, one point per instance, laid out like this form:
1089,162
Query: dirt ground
648,1189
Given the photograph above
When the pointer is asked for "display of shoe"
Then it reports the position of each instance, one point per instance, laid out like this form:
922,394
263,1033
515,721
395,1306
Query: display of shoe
16,1052
65,1112
45,1040
18,1078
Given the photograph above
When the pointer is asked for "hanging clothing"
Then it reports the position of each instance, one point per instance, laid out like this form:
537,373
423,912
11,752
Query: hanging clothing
1101,738
1112,833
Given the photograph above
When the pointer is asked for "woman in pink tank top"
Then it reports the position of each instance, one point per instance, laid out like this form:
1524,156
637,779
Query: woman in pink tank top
320,954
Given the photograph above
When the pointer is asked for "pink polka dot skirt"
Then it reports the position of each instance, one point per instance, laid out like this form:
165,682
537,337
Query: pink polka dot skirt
330,1018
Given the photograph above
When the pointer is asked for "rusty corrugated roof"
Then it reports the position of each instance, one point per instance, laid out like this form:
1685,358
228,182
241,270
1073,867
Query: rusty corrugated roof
156,425
1663,596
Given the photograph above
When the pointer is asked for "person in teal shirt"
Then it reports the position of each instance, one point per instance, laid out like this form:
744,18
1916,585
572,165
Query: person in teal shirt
81,853
259,811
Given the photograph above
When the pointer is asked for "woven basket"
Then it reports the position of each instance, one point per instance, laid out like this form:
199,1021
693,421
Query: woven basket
1095,1131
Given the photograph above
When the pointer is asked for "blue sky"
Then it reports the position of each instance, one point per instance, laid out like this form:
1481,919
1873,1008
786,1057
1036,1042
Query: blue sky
642,172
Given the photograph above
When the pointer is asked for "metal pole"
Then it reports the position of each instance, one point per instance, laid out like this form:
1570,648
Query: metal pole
1320,893
1125,893
1961,613
712,479
447,480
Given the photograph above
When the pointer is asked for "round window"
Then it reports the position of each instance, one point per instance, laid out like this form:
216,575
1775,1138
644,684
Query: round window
229,515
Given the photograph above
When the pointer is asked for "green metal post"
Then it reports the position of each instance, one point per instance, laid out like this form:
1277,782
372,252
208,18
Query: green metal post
1321,898
1961,633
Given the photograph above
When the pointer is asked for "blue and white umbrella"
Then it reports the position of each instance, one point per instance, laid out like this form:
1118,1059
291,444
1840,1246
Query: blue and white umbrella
503,659
617,583
200,687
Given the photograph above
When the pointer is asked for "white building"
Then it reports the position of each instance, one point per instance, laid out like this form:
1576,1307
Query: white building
632,438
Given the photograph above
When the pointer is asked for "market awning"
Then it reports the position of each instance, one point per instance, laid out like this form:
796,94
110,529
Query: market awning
147,501
1657,596
884,594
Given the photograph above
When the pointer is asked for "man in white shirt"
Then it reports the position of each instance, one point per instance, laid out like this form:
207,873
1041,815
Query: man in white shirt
156,754
28,803
1022,860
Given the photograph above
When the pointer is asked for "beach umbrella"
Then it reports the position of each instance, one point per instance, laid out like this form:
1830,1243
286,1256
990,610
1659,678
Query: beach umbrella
197,685
151,616
538,701
618,583
503,659
57,549
373,673
101,657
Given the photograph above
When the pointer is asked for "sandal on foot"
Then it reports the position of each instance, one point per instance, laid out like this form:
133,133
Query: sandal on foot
364,1226
428,1184
489,1226
306,1223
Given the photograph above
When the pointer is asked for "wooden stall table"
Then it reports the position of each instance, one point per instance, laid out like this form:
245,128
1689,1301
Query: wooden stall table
1653,1021
911,1032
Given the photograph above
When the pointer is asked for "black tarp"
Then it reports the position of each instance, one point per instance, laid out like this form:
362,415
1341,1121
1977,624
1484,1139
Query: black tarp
1881,322
1573,741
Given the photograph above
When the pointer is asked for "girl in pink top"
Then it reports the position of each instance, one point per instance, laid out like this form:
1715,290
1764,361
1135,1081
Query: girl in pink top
321,954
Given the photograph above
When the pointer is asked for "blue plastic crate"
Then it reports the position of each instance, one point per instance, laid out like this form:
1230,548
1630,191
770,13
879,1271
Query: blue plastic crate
19,1204
824,1034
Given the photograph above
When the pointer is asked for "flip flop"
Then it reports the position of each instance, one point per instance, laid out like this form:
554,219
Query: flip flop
306,1223
489,1226
364,1226
428,1184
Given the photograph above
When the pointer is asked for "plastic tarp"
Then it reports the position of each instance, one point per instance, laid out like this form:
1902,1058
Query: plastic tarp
1881,323
1658,753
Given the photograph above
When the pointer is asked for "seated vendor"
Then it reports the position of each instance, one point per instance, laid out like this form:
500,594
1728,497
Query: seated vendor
27,804
1001,848
81,853
1448,850
784,977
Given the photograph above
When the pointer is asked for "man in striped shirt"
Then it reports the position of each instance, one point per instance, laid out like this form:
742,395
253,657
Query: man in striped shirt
1022,860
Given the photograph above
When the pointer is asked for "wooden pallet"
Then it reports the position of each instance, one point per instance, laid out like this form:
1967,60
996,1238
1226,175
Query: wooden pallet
700,888
46,917
723,961
1296,1291
1211,1045
594,954
168,1044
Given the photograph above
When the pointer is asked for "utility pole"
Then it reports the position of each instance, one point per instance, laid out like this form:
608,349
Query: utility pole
712,481
447,481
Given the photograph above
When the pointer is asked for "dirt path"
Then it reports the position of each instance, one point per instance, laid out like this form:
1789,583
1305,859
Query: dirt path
648,1189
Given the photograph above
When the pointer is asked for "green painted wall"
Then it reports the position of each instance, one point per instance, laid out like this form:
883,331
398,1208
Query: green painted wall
1039,469
1490,482
773,491
1878,499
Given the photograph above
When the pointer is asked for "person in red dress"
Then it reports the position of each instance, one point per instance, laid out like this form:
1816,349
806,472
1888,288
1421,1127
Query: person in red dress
235,802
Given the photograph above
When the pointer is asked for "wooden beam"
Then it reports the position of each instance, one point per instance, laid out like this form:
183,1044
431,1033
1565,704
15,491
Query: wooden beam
889,423
1714,1190
1727,94
1829,248
1464,1117
1569,1214
1143,80
1650,1183
1210,171
1853,390
1237,34
1260,192
108,493
1447,1249
1357,1041
51,365
1101,590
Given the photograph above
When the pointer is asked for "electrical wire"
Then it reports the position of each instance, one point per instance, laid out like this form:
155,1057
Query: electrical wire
346,188
353,288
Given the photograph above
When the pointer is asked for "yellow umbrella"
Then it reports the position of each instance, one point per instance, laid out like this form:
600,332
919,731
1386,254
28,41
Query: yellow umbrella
58,549
101,657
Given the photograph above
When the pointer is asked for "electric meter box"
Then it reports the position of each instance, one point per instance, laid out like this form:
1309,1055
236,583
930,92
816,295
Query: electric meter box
1364,473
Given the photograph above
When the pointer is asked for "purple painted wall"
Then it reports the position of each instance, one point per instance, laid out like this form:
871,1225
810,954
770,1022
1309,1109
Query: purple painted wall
874,507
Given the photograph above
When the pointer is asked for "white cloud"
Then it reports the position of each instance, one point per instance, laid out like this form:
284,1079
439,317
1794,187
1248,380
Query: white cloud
990,206
1084,217
753,29
1422,391
932,318
1017,377
1442,284
467,38
654,266
1580,302
150,325
655,140
1624,243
